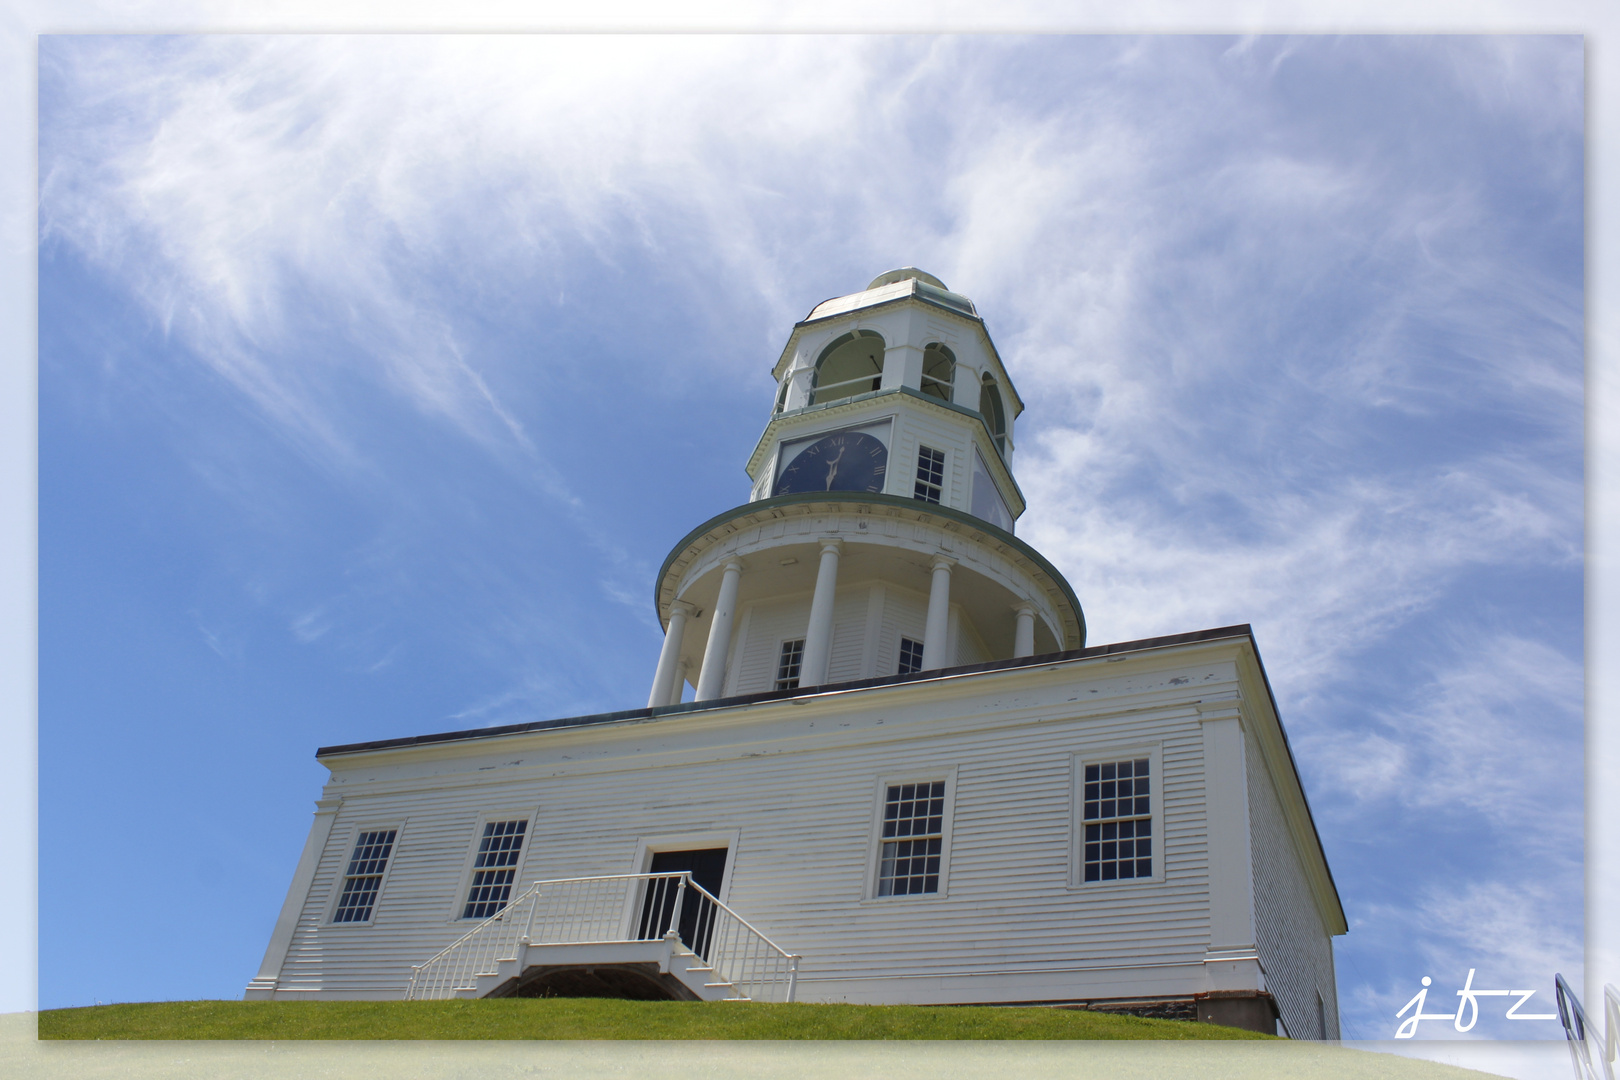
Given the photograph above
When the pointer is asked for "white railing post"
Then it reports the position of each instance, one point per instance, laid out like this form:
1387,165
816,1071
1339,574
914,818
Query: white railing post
793,976
680,897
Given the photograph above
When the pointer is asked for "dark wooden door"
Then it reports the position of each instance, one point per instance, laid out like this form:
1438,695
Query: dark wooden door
708,867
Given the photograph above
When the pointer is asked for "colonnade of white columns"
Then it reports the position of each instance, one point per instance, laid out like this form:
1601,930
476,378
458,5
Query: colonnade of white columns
671,674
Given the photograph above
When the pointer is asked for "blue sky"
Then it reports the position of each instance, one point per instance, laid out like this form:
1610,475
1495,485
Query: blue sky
377,375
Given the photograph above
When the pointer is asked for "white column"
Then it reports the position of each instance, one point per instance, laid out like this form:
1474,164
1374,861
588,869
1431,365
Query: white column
1230,959
669,656
937,628
902,366
818,635
712,676
1024,635
677,682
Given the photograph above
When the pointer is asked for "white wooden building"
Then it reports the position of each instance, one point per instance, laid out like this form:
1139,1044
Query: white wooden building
903,776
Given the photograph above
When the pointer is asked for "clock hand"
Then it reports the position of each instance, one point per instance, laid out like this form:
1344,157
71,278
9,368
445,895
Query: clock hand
832,468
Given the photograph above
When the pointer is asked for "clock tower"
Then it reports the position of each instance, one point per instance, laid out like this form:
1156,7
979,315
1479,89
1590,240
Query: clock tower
878,537
904,777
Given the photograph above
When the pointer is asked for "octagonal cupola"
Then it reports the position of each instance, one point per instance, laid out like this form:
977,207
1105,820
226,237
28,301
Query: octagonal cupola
877,538
907,374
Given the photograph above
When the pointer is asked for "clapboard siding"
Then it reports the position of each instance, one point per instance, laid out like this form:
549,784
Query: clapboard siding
1290,936
949,433
905,614
768,625
968,647
801,871
848,651
762,627
799,787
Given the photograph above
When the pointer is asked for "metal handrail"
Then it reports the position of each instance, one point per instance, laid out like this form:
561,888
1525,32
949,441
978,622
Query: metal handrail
588,910
1577,1029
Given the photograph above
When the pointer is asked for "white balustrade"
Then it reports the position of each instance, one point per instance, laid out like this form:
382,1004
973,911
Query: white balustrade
614,908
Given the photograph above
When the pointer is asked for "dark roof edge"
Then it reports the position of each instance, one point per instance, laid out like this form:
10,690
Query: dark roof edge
1240,630
1293,765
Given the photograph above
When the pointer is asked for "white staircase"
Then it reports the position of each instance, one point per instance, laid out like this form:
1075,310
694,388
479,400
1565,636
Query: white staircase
694,974
616,923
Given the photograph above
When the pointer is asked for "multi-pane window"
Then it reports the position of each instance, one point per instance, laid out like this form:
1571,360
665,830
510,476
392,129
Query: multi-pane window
930,474
494,869
913,836
1118,821
910,656
364,876
788,665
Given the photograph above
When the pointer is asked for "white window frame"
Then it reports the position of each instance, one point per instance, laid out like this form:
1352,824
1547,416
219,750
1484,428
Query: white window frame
776,676
944,475
529,814
351,837
1077,825
874,856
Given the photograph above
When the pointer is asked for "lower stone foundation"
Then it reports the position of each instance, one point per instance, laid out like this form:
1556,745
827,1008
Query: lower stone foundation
1153,1009
1251,1010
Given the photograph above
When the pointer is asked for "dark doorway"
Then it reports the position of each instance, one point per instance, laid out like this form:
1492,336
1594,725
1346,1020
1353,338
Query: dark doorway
708,867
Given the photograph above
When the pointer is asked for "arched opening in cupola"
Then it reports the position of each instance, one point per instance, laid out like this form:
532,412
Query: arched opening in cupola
938,371
851,365
995,415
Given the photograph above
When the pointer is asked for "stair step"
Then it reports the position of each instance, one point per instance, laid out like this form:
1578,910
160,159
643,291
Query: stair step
719,984
697,968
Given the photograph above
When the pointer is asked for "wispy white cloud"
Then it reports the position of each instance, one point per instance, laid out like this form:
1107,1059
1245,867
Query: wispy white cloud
1496,733
1212,304
1158,246
1321,573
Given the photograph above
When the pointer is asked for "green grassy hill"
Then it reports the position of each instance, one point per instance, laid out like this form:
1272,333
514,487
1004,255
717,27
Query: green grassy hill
596,1018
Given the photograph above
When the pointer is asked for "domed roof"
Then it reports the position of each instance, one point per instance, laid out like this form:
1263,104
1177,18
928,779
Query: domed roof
903,274
906,281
